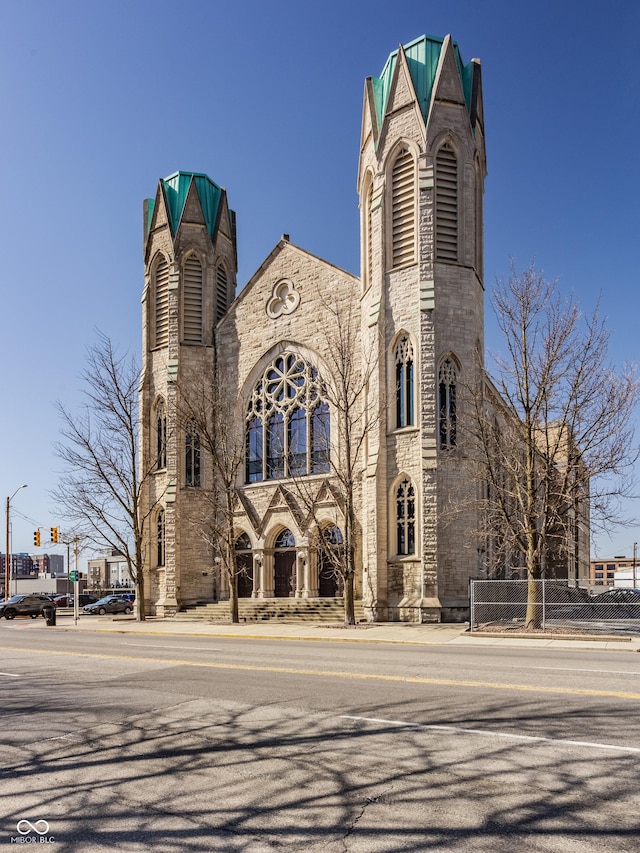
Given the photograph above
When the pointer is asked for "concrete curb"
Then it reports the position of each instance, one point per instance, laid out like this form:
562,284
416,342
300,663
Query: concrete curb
379,633
599,638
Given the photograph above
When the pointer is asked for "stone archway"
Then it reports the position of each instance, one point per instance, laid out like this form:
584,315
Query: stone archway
284,565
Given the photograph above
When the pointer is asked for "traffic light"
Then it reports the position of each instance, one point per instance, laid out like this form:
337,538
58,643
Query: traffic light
54,535
36,538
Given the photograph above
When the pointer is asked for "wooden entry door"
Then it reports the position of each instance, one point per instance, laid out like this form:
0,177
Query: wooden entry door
330,583
244,563
284,574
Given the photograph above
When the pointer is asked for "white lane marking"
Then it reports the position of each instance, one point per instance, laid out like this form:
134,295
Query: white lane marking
576,669
182,648
490,734
11,674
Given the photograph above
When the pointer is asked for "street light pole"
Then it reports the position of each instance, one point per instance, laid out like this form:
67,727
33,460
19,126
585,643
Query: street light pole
7,557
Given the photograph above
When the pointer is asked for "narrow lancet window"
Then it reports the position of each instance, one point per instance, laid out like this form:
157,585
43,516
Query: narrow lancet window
406,518
404,383
447,404
192,456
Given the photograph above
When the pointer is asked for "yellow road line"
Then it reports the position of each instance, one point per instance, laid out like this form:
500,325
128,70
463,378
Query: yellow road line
320,673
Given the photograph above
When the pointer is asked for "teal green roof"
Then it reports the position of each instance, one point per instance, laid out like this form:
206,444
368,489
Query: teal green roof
176,189
423,55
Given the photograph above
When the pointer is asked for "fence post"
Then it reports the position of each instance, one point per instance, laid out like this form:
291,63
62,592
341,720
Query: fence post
471,605
544,605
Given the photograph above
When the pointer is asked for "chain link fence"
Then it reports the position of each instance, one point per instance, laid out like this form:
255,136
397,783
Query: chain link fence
548,604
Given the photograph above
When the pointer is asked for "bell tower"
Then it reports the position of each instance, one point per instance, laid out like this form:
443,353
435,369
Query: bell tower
420,183
190,279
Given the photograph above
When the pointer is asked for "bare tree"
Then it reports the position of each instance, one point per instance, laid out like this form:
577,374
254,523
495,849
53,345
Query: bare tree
351,367
554,440
204,414
100,493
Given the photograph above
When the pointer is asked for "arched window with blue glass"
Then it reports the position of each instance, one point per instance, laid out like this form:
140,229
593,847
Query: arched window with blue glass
447,414
160,538
287,425
405,517
403,357
192,455
161,435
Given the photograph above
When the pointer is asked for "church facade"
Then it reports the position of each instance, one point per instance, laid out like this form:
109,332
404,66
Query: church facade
416,314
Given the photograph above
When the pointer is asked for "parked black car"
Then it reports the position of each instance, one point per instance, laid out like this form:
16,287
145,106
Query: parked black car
67,600
109,604
25,605
616,603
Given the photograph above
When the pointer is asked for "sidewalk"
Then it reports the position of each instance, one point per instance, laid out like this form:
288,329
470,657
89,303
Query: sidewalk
380,632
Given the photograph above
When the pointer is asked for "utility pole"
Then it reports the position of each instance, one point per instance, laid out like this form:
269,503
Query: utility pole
76,584
7,557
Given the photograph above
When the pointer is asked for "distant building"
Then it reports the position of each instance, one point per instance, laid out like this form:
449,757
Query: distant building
49,564
22,565
109,572
614,571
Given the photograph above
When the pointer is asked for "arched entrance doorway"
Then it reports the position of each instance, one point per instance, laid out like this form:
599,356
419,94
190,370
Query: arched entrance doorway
330,581
244,566
284,562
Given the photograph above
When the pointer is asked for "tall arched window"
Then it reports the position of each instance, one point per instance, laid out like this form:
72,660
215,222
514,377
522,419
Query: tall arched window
221,291
287,422
446,204
405,518
161,435
275,446
254,450
404,382
403,209
161,303
320,438
192,301
160,535
192,456
447,404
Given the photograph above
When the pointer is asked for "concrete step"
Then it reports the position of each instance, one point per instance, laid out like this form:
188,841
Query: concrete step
273,609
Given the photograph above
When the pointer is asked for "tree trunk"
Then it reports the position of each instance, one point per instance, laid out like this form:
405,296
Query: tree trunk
140,609
233,598
349,609
534,605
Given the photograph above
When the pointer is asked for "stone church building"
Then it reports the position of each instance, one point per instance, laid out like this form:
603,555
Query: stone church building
419,309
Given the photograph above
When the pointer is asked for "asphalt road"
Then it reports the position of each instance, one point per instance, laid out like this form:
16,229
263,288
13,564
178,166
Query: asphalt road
135,742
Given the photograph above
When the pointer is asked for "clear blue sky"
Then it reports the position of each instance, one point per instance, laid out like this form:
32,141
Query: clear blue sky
100,100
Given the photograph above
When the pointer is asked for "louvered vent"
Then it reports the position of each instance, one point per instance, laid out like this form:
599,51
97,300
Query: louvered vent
403,206
192,301
162,304
446,204
221,292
